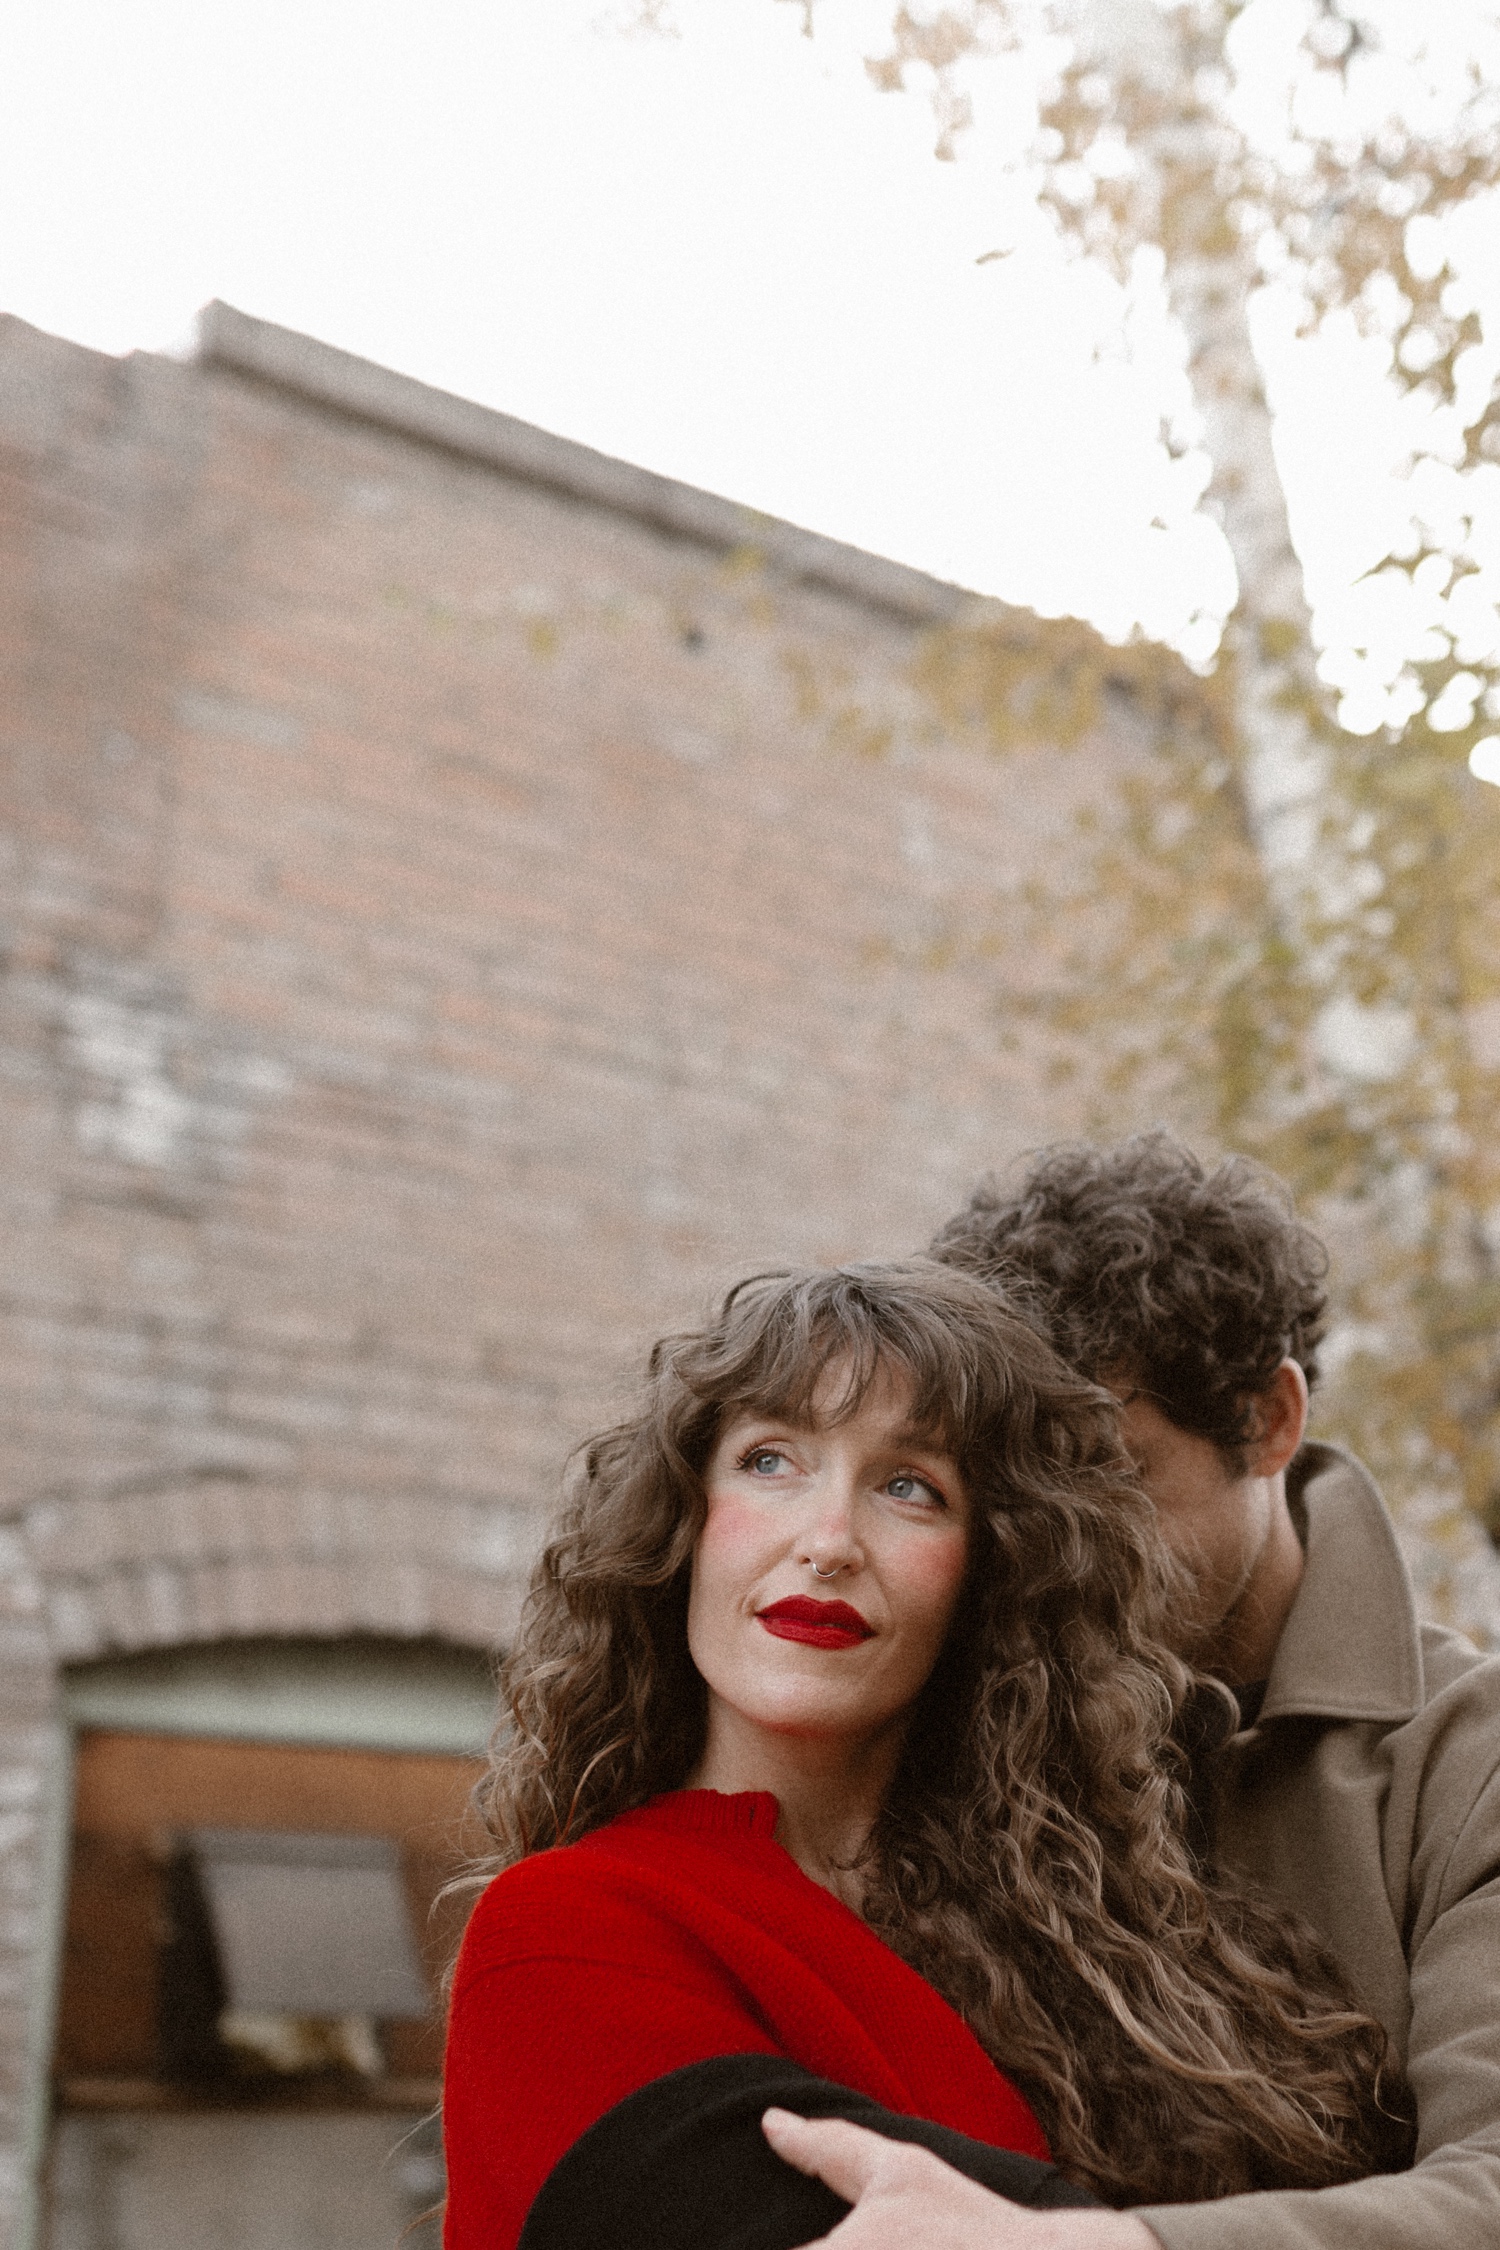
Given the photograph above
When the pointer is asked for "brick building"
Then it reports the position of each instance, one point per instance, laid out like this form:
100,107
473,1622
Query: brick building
464,898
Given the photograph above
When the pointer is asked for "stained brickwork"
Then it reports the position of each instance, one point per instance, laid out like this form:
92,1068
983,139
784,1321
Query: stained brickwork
462,900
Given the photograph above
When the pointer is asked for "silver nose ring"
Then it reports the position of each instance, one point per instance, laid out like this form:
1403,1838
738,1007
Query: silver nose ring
838,1566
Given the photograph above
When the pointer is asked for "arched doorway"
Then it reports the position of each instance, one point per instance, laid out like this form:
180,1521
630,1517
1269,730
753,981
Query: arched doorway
248,2029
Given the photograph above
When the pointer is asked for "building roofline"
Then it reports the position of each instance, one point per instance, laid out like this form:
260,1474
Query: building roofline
369,392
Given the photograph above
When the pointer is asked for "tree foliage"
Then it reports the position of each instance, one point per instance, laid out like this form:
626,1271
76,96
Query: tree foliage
1307,967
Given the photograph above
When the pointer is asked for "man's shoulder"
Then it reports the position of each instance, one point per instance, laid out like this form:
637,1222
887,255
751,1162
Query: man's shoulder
1459,1722
1449,1658
1446,1755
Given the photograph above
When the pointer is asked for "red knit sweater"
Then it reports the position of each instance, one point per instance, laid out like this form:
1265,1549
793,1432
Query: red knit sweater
675,1934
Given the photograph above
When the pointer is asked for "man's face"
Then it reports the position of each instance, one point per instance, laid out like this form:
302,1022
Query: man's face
1216,1522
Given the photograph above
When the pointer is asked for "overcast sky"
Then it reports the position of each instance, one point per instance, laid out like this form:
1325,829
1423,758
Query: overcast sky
720,253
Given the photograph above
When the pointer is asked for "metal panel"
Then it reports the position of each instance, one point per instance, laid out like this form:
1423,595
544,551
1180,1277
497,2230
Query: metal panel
310,1925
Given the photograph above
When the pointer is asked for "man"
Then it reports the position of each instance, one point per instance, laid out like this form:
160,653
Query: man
1363,1789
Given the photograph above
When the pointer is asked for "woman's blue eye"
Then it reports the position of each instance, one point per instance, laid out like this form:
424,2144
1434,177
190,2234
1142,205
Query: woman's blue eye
762,1463
912,1488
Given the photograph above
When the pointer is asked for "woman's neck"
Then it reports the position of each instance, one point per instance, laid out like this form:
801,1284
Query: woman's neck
829,1792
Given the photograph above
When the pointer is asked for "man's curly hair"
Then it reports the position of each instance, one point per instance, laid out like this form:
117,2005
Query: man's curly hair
1140,1265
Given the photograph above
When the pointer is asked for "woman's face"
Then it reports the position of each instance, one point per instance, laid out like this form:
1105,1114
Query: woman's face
827,1571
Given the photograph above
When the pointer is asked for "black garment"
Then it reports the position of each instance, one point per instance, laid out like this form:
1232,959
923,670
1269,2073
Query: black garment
684,2165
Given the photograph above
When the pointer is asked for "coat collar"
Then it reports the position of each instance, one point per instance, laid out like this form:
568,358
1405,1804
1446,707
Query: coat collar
1351,1647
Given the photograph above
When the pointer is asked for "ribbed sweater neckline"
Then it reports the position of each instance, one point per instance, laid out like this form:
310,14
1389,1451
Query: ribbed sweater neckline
748,1812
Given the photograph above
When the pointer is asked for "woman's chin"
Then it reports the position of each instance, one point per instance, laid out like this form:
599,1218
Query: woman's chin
822,1721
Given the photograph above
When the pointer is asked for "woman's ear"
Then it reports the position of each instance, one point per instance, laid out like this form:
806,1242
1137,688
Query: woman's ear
1280,1414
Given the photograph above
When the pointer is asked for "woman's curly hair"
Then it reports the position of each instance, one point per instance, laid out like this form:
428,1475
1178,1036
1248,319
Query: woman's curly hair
1177,2039
1137,1261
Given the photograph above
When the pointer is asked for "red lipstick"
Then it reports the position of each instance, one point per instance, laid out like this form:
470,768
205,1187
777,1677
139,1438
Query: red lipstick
819,1624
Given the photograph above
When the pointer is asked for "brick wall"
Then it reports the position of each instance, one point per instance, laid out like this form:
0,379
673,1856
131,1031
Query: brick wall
463,900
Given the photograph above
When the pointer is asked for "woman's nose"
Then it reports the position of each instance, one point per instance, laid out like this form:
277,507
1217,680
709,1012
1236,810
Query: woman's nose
830,1540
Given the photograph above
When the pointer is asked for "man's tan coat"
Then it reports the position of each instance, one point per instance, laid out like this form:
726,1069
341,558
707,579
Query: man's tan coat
1367,1796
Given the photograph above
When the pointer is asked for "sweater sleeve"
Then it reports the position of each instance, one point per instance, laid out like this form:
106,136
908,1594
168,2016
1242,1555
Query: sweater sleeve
540,2048
683,2165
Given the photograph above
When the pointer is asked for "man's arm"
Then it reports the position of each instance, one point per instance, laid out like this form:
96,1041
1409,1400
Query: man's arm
1450,2200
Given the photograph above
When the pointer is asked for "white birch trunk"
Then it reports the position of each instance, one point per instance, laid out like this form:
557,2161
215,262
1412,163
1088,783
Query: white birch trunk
1270,634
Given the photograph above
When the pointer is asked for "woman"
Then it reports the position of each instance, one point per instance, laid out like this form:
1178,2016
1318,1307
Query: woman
846,1696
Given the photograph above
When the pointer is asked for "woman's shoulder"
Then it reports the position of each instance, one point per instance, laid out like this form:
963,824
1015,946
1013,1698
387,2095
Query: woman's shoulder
670,1829
600,1890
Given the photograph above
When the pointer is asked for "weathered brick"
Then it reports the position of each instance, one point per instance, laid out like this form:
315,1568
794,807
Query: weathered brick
445,939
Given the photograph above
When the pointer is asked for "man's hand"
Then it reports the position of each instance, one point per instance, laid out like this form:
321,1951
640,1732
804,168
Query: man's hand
907,2199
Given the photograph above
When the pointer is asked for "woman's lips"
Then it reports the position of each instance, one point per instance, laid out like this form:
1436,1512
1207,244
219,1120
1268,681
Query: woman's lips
819,1624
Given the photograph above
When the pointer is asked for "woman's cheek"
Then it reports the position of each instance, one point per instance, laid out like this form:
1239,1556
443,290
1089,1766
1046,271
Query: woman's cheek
734,1532
934,1574
726,1566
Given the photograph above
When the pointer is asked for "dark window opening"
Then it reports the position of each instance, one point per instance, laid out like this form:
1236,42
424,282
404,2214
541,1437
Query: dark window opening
260,1923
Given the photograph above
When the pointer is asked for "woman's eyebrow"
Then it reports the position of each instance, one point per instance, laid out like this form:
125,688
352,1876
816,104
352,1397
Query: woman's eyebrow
926,1441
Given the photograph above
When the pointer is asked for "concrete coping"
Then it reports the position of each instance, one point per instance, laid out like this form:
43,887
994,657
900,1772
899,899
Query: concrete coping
361,1693
371,393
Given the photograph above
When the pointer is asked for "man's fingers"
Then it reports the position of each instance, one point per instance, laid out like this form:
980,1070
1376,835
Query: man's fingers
906,2198
844,2156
